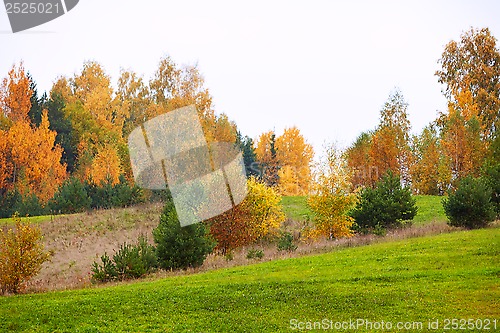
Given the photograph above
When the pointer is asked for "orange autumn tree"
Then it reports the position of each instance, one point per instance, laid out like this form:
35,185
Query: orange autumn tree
470,71
97,118
390,148
463,150
294,156
15,94
358,161
35,159
426,174
265,153
29,158
106,166
257,216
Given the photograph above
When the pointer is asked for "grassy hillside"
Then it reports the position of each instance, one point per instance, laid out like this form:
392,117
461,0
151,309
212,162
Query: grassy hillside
430,209
446,276
296,208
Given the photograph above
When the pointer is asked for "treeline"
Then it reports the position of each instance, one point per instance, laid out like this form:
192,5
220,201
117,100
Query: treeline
461,142
72,142
67,151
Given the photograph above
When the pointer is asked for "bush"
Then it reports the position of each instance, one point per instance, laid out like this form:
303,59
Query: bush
30,205
130,262
255,254
13,202
104,272
108,195
470,205
71,197
285,242
258,216
180,247
21,256
387,205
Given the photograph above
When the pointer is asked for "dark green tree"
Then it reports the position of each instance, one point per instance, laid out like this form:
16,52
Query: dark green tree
180,247
62,125
470,206
387,205
249,158
71,197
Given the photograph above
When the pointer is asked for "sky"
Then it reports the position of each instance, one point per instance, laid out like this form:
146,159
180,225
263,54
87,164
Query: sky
326,67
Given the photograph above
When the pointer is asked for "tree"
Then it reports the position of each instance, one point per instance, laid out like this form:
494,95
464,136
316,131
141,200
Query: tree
249,157
37,103
258,215
294,156
470,72
265,151
96,118
180,247
105,166
71,197
331,199
21,255
425,173
461,145
92,87
358,161
383,154
34,159
390,142
387,205
15,94
6,165
133,96
470,206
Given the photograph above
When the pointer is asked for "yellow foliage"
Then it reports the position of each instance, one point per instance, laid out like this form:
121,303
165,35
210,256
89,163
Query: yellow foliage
294,155
15,94
264,206
258,215
105,166
21,256
425,172
331,199
330,214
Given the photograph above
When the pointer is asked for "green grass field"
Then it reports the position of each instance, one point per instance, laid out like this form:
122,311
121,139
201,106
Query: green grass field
296,208
31,219
453,275
430,209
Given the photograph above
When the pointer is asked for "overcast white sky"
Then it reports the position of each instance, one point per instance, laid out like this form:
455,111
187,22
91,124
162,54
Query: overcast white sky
324,66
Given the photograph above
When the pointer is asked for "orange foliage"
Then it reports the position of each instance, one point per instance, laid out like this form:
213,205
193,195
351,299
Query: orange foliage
105,166
462,145
35,159
254,218
294,156
426,177
383,153
15,94
265,152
